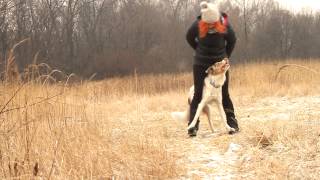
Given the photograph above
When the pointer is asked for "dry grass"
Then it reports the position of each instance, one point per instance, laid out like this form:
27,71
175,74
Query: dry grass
121,127
254,79
74,135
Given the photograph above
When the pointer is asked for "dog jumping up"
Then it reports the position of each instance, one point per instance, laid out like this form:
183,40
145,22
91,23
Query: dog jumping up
212,95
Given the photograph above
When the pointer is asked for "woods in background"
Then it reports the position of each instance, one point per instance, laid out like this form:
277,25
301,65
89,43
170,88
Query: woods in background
117,37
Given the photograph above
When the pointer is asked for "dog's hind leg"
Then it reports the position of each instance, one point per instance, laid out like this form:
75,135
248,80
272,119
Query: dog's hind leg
224,118
207,111
199,110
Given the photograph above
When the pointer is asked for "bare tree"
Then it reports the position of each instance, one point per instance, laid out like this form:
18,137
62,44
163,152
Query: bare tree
115,37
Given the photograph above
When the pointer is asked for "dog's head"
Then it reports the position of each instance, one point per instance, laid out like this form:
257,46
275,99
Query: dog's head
219,67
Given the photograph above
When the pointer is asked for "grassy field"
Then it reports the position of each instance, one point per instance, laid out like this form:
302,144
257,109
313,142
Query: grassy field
121,127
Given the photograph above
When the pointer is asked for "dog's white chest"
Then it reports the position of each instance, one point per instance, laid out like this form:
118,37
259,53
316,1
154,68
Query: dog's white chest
216,92
211,92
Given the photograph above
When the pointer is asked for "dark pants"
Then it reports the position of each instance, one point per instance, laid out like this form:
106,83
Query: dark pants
199,75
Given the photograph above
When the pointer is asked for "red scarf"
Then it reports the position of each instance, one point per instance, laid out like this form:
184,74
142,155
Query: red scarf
205,27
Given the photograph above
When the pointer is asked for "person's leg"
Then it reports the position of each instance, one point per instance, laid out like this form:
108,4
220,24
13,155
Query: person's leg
228,105
199,75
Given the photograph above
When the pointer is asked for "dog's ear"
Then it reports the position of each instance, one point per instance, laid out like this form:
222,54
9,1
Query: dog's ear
227,60
227,66
209,70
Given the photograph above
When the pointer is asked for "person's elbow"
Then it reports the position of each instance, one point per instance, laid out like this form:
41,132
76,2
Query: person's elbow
190,37
191,41
232,39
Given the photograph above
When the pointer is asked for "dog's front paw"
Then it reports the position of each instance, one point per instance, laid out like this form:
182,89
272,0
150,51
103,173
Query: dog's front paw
231,130
191,126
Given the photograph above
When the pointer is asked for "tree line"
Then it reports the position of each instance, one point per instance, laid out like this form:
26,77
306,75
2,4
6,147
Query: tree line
117,37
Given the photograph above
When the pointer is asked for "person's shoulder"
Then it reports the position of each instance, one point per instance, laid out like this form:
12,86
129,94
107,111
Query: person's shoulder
224,14
196,21
225,19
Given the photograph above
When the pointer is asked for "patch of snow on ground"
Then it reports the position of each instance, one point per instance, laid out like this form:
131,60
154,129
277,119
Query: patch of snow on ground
283,108
204,160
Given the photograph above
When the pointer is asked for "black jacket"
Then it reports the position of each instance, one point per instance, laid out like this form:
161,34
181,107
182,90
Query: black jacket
212,48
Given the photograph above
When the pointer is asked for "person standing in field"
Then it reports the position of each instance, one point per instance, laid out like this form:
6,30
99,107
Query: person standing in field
213,39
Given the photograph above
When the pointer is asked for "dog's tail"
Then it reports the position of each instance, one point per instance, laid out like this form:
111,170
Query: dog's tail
180,116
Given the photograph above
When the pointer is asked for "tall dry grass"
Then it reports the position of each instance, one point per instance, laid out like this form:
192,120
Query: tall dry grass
254,79
65,133
121,127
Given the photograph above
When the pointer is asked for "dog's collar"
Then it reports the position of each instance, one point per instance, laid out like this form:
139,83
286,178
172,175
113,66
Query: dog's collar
214,84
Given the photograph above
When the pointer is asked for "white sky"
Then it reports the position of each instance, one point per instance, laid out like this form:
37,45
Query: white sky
298,5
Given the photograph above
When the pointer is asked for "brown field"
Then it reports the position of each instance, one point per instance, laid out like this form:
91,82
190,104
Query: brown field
121,127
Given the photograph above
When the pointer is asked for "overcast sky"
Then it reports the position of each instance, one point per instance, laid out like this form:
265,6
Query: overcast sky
297,5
